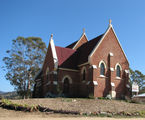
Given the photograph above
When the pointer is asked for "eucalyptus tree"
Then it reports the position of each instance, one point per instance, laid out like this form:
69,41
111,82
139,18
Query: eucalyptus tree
138,77
24,60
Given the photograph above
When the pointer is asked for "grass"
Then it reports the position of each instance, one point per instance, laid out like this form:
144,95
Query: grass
31,108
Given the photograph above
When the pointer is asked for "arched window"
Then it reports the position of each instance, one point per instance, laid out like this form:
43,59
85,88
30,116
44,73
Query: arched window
84,75
118,69
102,69
118,73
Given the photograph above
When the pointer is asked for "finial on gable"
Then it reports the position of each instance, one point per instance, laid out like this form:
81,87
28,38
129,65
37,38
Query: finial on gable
51,36
110,21
83,30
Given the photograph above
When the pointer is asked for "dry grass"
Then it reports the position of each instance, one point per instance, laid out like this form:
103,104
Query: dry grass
84,105
17,115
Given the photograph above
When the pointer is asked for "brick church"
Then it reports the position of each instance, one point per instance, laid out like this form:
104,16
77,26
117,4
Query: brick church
96,67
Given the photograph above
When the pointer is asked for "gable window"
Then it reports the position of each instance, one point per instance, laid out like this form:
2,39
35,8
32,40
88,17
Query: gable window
118,71
102,69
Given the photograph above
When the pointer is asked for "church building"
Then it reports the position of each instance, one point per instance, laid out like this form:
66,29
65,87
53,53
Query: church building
95,67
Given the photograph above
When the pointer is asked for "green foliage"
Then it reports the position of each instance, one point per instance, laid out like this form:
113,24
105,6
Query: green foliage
138,77
23,62
14,106
142,113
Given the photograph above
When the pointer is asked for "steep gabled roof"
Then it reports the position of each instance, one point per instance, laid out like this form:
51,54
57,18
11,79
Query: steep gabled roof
85,50
80,56
83,39
63,54
95,48
72,45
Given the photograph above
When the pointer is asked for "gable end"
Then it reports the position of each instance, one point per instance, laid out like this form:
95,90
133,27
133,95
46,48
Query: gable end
96,47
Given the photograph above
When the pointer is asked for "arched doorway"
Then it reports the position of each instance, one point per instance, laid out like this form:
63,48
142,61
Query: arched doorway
66,85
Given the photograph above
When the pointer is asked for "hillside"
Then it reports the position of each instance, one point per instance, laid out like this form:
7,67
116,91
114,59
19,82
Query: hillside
9,95
84,105
1,92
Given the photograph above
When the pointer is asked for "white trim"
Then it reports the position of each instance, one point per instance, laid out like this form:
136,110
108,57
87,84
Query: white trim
80,40
117,64
83,69
112,84
128,86
68,69
101,63
119,78
55,59
88,83
127,71
69,78
96,47
119,43
102,76
111,54
55,82
54,72
95,83
112,69
94,66
48,83
83,64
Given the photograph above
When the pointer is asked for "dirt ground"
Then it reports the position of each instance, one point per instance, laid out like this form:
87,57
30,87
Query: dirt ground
84,105
17,115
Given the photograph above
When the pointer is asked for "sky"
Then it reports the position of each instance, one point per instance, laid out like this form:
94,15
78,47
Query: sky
65,19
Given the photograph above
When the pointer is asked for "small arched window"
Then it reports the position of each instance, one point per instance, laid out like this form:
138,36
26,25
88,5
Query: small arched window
84,75
102,69
47,72
118,73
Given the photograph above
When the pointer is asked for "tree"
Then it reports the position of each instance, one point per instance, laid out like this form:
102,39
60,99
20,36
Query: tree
138,77
23,62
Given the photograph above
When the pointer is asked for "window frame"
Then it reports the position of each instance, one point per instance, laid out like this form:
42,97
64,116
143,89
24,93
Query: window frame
116,66
100,66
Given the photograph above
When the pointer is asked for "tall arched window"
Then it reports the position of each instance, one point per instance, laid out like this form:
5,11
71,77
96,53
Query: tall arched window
102,69
84,75
118,73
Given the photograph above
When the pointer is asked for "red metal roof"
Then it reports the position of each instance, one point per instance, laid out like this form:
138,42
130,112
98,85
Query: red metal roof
63,54
69,58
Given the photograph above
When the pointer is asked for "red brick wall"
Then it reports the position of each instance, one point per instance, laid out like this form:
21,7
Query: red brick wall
85,89
109,44
47,63
75,81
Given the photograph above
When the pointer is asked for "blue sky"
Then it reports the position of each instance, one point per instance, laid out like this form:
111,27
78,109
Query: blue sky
66,20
